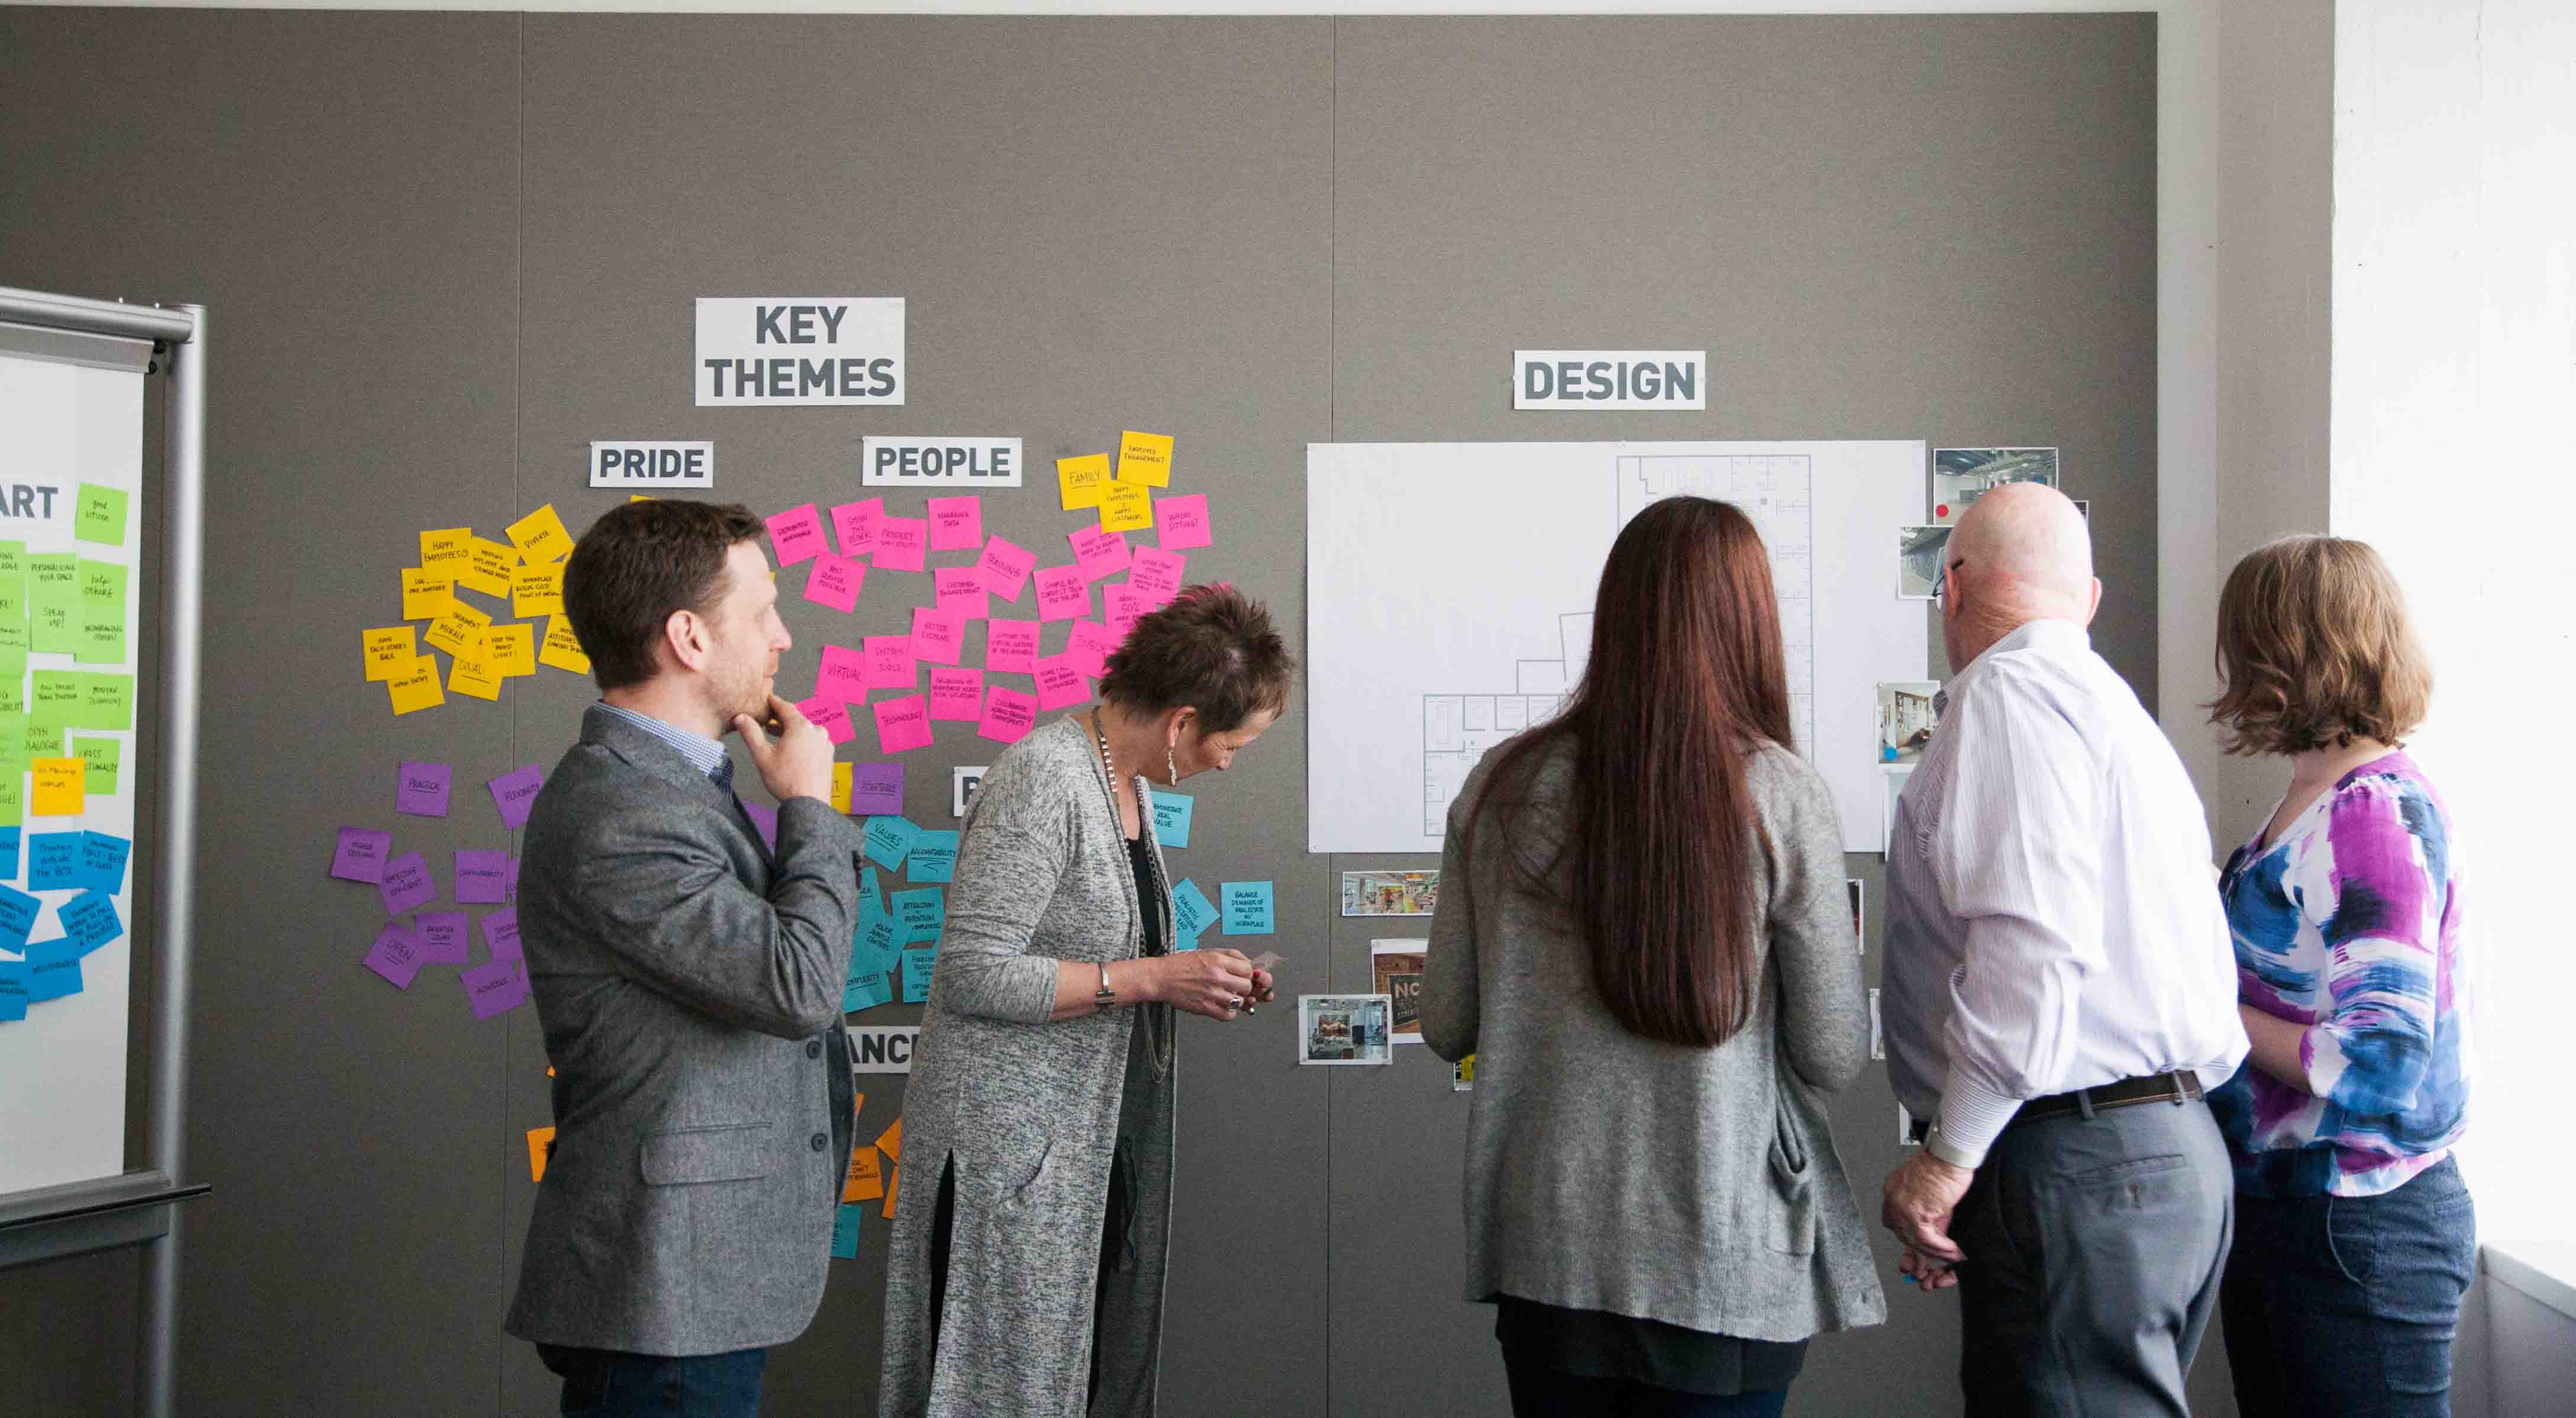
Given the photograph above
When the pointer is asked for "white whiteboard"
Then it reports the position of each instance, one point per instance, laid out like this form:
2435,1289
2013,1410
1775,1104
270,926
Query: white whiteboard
1449,600
62,1112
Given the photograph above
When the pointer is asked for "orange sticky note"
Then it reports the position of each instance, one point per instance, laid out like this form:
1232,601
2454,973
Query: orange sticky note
58,791
864,1183
416,687
537,590
562,648
425,594
1126,507
892,1142
387,651
841,775
540,536
1079,480
540,1140
894,1179
1145,458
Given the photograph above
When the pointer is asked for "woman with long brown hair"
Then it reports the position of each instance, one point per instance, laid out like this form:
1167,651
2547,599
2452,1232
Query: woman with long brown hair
1643,936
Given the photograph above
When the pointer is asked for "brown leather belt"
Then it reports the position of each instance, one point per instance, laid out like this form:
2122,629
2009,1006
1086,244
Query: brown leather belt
2179,1087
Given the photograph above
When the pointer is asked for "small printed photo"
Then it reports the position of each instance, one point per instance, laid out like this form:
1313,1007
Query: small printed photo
1894,778
1860,925
1344,1029
1962,475
1905,719
1390,893
2083,508
1922,558
1399,965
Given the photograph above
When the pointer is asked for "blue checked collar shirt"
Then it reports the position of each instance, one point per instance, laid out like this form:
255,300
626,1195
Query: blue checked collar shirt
703,753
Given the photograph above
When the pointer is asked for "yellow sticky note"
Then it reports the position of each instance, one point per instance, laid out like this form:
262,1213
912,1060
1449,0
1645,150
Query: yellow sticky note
864,1182
1126,507
456,631
386,651
638,497
540,1141
894,1179
60,783
510,651
425,594
562,648
1145,458
416,687
891,1142
841,787
474,677
537,590
540,536
488,566
446,551
1081,479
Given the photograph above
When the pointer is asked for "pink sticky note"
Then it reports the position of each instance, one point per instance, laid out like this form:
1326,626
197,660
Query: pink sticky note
514,793
956,523
1120,605
1063,594
831,716
1182,522
442,937
1098,553
1009,714
900,543
855,523
903,725
957,694
396,955
890,662
843,675
835,581
1060,684
796,534
494,987
961,589
1011,647
1088,649
1005,568
1157,574
938,636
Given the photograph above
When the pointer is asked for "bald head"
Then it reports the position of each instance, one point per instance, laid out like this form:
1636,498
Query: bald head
2022,553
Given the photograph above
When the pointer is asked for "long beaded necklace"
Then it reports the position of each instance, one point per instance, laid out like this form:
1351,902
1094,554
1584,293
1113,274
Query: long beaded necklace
1157,1031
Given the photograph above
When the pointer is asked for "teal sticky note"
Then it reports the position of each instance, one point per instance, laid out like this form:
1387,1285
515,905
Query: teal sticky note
89,919
1247,907
922,912
9,853
890,841
866,992
879,937
53,970
868,893
1192,911
99,515
934,856
916,974
13,989
845,1232
1172,813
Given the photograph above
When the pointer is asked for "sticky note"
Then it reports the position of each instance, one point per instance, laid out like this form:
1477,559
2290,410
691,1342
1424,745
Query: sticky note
831,716
841,780
59,789
764,820
420,789
54,603
482,877
501,934
1060,685
561,648
396,955
43,741
900,543
1009,714
103,757
13,683
866,990
1062,593
835,581
457,634
903,724
1126,507
515,792
53,970
890,662
54,860
1247,907
101,625
1011,646
957,695
494,987
842,675
796,534
918,965
923,910
540,1147
425,595
938,636
9,852
1121,605
107,702
1079,481
406,884
89,920
1098,553
879,939
890,1142
102,861
961,589
889,840
442,937
473,677
1181,523
934,856
876,790
870,899
864,1183
855,523
386,651
510,651
1087,647
537,590
17,734
447,550
894,1184
956,523
540,536
98,515
1004,568
491,568
1157,574
1144,458
18,912
1172,812
13,991
416,687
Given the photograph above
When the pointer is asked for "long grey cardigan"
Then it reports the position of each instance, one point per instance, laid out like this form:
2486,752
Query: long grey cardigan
1029,1112
1698,1187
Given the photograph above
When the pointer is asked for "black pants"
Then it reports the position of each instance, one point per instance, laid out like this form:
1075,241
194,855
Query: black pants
1544,1393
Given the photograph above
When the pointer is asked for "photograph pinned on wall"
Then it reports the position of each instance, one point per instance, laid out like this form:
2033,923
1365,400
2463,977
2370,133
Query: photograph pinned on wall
1906,718
1962,475
1390,893
1462,1075
1341,1030
1398,967
1892,778
1922,558
1877,1035
1860,922
2083,508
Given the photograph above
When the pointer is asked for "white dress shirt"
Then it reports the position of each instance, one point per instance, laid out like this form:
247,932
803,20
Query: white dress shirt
2053,923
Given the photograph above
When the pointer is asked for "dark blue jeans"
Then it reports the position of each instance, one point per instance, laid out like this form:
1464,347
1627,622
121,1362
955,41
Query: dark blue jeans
604,1383
2348,1304
1544,1393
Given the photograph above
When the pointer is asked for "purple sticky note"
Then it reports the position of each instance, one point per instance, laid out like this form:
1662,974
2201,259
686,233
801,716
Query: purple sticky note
406,884
482,878
512,871
442,937
494,987
515,793
796,534
956,523
396,955
957,694
876,790
766,820
501,934
361,855
421,789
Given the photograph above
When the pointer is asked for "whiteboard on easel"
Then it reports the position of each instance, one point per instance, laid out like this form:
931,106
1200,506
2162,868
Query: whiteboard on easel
1450,592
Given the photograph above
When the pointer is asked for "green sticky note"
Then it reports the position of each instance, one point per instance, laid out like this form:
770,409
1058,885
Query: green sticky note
102,623
54,603
13,743
13,581
43,741
107,702
57,698
99,515
13,799
103,757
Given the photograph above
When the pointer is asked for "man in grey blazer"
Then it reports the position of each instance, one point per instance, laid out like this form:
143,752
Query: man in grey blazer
688,978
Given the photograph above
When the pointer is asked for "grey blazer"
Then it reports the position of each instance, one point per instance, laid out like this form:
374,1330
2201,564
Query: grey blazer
689,984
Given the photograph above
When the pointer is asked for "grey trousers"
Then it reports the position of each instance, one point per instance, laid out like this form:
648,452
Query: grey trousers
2094,1248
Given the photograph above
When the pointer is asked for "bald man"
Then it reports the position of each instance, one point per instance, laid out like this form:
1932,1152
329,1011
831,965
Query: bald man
2059,993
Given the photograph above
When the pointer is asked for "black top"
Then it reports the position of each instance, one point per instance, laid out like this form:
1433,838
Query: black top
1599,1344
1140,854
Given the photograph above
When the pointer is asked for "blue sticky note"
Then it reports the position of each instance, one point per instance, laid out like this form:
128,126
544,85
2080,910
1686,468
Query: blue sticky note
916,974
1192,911
13,989
866,992
8,854
102,861
934,856
1189,942
1172,818
17,918
845,1232
54,860
89,919
880,936
1247,907
890,840
868,893
53,970
922,912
